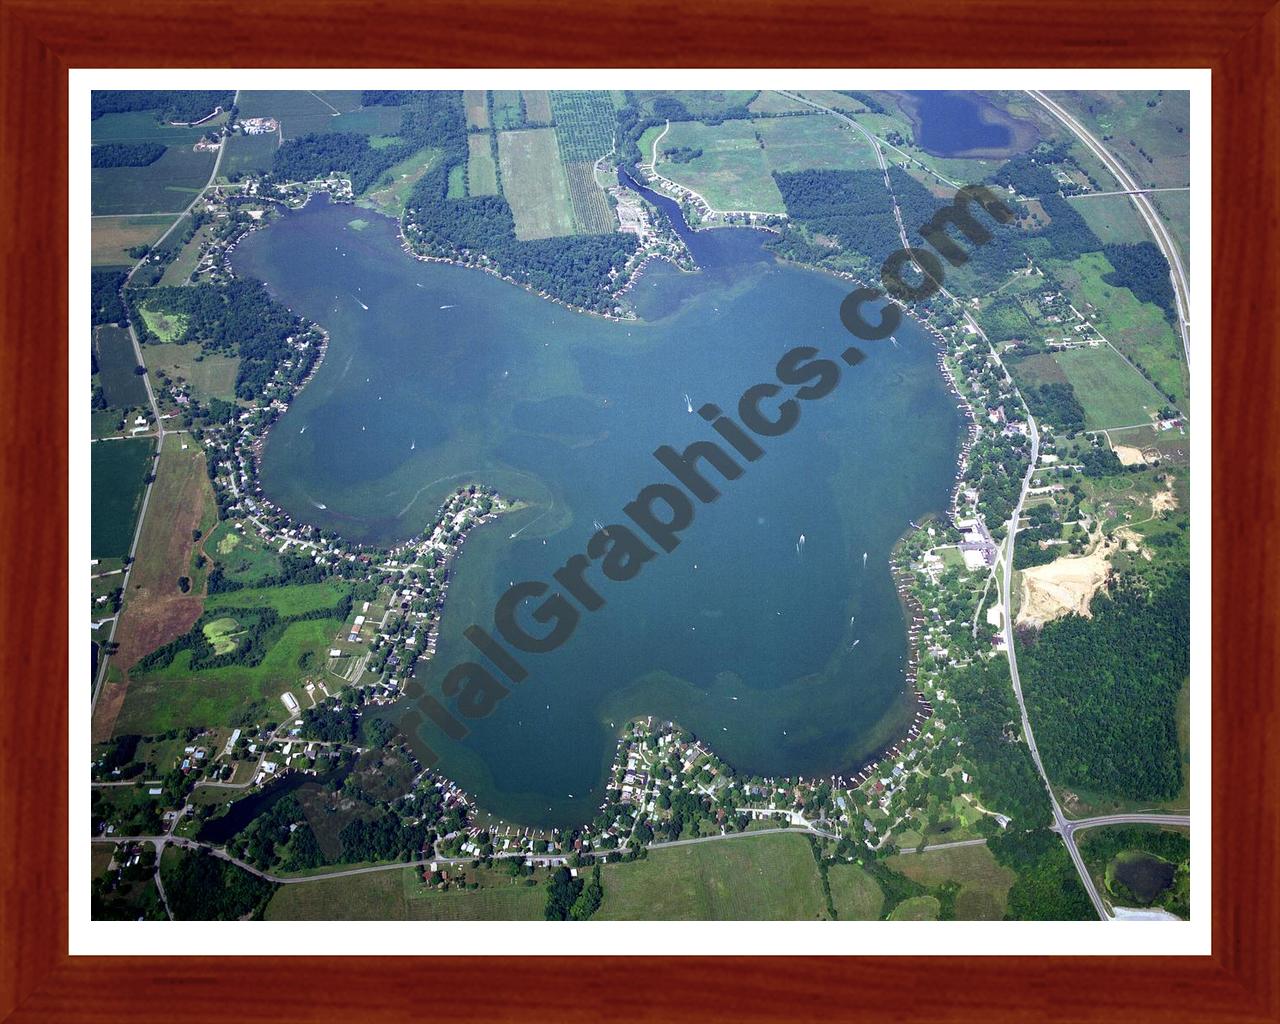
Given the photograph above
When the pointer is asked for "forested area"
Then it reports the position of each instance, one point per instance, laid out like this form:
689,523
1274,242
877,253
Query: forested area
1057,404
1104,691
184,105
126,154
1142,269
1006,777
237,316
202,887
574,268
105,303
850,206
1048,888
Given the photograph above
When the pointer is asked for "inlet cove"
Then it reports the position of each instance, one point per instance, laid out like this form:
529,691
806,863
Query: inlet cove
772,629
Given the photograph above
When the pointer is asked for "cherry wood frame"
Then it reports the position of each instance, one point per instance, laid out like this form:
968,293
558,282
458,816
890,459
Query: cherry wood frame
41,39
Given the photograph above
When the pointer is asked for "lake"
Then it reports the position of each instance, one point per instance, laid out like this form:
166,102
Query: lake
786,657
952,124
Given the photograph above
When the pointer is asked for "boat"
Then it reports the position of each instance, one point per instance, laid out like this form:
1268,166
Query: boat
688,403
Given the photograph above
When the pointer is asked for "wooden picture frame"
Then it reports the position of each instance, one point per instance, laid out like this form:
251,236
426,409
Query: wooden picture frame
42,39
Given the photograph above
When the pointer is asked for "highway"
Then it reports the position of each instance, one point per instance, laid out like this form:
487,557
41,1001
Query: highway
1177,272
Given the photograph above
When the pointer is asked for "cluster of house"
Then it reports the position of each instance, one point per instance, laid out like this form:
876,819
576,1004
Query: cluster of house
259,125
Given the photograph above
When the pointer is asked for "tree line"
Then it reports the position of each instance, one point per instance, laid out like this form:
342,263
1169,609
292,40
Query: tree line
126,154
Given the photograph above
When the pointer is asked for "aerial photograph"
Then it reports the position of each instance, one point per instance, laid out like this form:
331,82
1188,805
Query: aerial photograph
742,505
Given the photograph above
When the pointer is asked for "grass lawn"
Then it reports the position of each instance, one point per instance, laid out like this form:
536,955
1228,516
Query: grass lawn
855,894
211,375
768,877
117,361
818,141
165,326
1112,392
244,557
916,908
113,237
166,186
731,174
482,172
287,601
534,183
177,272
118,469
984,884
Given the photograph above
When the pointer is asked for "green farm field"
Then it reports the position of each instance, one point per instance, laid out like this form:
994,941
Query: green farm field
537,107
1112,218
390,199
984,884
815,141
1112,392
244,557
166,186
179,271
855,894
122,387
916,908
211,374
176,697
287,601
247,154
298,111
482,171
477,104
506,109
534,183
118,470
113,236
144,126
731,174
1138,329
761,878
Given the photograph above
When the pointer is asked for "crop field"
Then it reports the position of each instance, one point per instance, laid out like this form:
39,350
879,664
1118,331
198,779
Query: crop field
477,104
855,893
166,186
763,878
372,121
144,126
176,697
211,374
984,884
506,109
482,171
288,601
114,236
1138,329
1148,131
534,183
537,107
118,469
122,387
732,172
584,131
165,326
818,141
248,154
1113,394
298,111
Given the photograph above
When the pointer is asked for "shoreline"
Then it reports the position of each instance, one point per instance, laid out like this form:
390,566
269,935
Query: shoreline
923,709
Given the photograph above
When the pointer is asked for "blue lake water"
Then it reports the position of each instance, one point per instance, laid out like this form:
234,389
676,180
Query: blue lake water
786,658
951,123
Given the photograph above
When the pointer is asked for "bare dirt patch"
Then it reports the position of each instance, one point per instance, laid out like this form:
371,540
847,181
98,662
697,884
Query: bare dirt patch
1062,587
1164,501
1129,456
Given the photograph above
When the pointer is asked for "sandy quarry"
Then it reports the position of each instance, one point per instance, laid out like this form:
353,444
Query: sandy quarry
1061,587
1129,456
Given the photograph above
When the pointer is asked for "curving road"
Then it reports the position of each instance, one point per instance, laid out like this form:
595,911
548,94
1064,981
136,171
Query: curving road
1177,272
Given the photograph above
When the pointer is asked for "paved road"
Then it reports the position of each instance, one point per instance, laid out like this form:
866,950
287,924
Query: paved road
1177,272
155,411
1141,818
946,846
